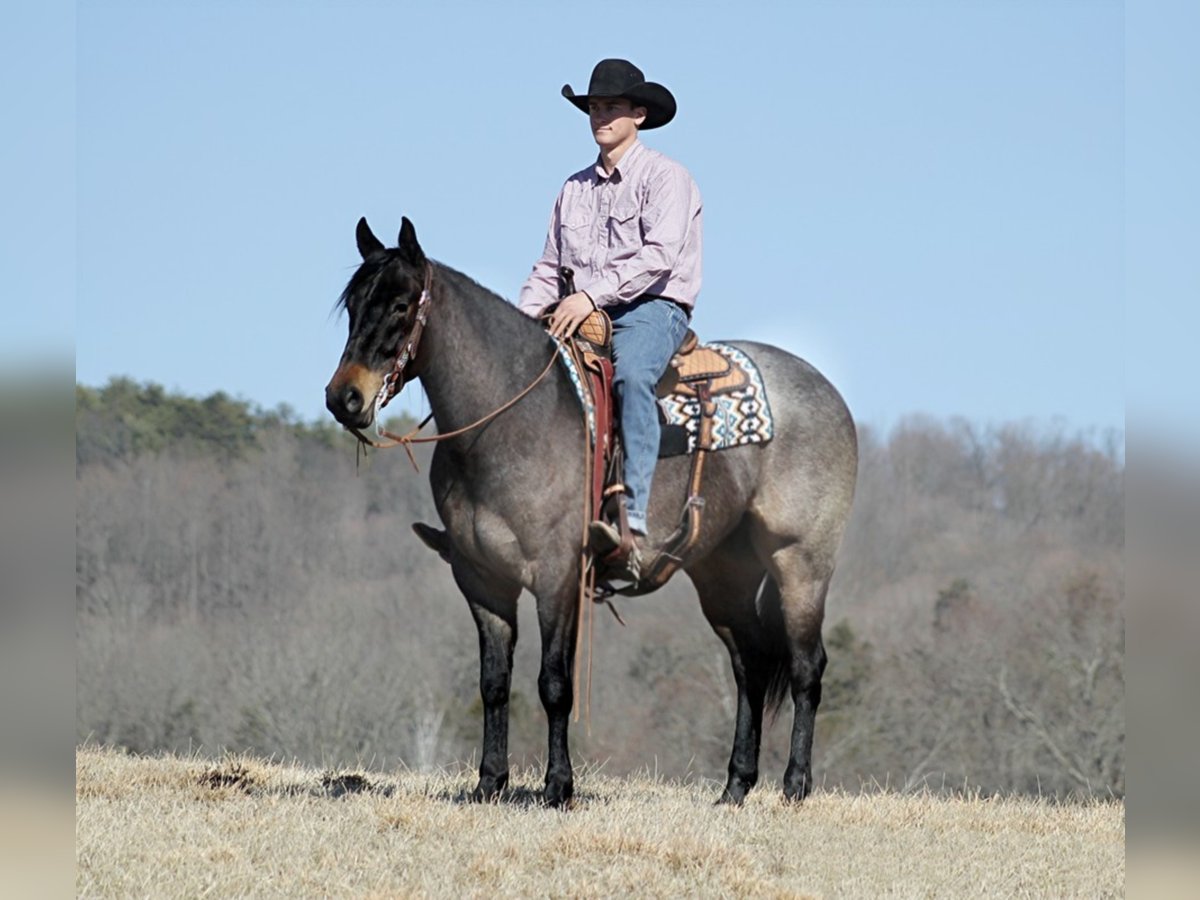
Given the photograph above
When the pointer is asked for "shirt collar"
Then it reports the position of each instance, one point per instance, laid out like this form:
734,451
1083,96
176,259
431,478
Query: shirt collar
618,172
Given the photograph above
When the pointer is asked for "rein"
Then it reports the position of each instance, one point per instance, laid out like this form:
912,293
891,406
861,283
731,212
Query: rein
391,386
395,380
405,440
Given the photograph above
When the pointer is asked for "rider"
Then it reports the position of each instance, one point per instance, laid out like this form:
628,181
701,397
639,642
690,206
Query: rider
629,225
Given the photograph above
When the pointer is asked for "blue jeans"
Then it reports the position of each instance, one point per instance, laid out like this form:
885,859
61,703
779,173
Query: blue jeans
646,333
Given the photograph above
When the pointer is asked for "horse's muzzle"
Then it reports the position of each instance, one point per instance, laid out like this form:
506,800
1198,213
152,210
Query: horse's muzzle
345,404
349,399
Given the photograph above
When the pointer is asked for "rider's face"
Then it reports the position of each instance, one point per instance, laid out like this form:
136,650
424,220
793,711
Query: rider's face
615,121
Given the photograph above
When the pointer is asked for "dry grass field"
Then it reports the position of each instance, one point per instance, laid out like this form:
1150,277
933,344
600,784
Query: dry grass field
177,827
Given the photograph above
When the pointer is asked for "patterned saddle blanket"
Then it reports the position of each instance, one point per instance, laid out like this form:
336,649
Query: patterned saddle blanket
742,413
712,397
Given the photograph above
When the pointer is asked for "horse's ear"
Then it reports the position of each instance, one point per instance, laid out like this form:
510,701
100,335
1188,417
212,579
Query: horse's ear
367,242
410,250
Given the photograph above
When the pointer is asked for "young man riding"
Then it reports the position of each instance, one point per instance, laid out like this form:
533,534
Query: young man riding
630,226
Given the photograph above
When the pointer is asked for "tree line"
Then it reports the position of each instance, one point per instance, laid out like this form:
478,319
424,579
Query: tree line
244,581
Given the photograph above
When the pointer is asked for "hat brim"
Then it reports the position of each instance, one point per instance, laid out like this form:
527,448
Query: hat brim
658,101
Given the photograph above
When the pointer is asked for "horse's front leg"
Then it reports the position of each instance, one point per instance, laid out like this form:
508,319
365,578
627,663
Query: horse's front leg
557,616
494,608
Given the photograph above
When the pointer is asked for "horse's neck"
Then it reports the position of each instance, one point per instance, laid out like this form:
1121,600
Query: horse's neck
477,354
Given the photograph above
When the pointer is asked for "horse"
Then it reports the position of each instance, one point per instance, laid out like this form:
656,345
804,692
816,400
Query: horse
510,495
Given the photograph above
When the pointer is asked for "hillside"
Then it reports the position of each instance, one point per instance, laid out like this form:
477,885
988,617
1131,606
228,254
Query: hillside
245,582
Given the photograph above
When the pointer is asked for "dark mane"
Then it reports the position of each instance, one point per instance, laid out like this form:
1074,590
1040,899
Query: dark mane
515,324
367,276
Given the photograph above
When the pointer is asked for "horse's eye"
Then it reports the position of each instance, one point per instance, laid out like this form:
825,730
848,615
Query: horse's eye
399,306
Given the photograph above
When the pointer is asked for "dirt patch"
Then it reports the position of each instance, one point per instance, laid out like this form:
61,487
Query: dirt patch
230,775
338,785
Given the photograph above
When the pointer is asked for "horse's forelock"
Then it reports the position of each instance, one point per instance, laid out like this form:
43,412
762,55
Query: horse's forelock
366,278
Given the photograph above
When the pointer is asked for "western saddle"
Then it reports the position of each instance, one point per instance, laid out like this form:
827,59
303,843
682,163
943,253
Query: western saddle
695,371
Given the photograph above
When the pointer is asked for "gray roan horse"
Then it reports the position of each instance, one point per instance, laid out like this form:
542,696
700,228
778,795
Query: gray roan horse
511,492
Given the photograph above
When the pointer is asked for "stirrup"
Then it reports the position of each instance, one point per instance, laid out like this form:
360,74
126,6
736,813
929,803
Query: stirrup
605,542
622,568
603,538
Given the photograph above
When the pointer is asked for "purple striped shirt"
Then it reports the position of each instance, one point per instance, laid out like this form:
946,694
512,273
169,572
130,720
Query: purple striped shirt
634,232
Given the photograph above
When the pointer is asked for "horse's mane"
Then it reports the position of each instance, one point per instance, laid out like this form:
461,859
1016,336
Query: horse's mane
508,316
467,287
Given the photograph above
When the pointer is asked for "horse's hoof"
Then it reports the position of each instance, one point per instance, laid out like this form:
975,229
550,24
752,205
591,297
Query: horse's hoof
795,792
559,796
732,797
797,781
487,790
736,790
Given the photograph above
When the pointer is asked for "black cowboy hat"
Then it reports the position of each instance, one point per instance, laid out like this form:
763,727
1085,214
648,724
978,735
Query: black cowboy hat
621,78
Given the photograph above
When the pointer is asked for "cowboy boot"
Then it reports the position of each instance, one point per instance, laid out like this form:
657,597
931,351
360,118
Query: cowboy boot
624,563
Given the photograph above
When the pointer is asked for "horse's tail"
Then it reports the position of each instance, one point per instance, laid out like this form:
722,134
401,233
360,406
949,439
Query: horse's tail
776,657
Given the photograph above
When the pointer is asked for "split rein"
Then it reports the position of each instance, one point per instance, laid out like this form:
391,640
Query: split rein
395,380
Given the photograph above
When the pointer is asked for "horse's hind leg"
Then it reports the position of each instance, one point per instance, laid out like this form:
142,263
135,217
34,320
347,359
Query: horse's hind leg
807,668
495,612
727,582
802,598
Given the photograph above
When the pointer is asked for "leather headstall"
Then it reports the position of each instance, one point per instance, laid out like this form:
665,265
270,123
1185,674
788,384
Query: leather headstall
407,351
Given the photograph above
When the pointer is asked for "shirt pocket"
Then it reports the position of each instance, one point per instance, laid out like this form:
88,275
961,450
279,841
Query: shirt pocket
574,240
625,228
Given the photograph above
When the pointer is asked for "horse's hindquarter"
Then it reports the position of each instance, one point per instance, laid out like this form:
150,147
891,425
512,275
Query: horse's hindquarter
808,470
796,487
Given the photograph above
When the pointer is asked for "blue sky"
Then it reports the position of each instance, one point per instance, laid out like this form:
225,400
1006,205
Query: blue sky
927,200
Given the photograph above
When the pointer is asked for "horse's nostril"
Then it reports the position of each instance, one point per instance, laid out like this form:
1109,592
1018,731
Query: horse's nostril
352,399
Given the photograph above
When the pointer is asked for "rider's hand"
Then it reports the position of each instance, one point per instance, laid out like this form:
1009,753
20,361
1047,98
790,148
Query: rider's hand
570,314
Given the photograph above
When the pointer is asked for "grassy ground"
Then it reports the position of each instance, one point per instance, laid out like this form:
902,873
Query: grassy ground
168,827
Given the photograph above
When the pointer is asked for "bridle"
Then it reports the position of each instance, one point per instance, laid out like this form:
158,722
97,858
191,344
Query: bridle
395,380
407,351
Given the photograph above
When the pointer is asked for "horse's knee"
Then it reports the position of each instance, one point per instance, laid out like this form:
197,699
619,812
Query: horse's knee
555,690
494,688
